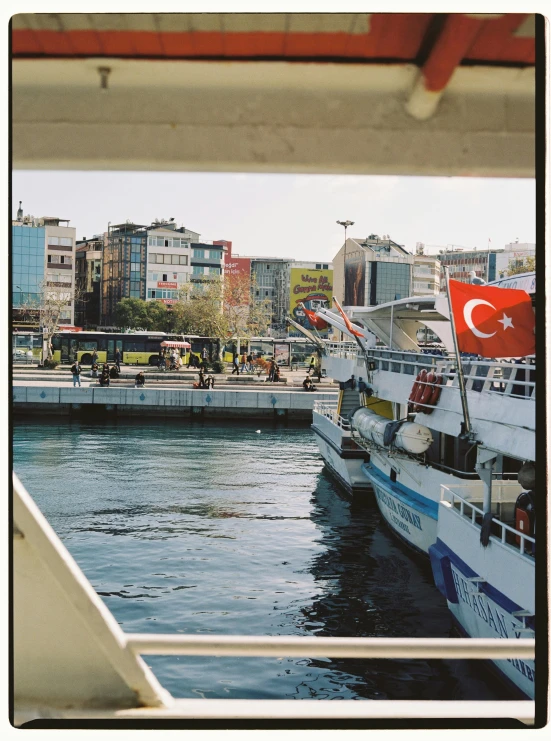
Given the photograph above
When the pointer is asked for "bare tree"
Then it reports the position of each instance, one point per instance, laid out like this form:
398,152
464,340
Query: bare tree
49,307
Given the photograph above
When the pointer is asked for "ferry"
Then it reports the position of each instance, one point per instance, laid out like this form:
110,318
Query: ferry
432,481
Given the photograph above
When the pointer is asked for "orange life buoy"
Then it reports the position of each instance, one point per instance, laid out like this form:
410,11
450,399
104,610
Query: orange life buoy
426,393
436,391
421,380
413,393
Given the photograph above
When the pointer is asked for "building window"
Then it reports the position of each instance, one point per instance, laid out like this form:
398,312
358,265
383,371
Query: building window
53,240
198,253
318,266
165,277
183,259
198,270
326,267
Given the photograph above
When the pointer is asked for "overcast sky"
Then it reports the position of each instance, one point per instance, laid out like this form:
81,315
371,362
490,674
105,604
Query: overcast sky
289,215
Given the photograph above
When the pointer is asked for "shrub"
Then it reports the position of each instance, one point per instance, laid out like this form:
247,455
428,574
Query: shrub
218,366
51,364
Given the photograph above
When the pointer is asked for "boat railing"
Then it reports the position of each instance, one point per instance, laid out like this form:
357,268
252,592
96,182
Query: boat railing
508,378
328,409
460,496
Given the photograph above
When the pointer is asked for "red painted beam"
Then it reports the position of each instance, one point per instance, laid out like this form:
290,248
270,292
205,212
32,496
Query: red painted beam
452,45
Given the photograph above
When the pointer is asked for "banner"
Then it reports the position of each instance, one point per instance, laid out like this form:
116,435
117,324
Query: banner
354,281
313,288
282,353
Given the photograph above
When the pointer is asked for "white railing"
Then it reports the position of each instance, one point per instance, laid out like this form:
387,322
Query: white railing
342,648
328,409
470,511
505,378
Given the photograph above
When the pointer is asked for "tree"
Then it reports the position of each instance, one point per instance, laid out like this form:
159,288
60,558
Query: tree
523,265
245,317
50,307
131,313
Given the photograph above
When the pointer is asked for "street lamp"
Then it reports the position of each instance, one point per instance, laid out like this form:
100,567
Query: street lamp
346,224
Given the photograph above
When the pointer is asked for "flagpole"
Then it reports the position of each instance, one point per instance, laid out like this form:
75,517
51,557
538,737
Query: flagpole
488,262
460,377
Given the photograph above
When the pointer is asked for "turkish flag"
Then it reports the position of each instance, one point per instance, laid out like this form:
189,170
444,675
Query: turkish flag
314,320
347,321
493,322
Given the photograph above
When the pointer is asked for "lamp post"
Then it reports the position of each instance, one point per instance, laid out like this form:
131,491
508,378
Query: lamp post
346,224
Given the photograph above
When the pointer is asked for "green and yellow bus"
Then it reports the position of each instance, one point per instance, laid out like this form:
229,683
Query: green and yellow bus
136,348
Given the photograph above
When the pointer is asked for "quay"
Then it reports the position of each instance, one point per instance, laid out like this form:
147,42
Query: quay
52,393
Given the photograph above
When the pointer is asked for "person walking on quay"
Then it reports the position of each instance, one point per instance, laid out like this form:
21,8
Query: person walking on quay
312,367
205,354
249,363
271,372
244,362
118,359
94,358
76,369
235,363
139,381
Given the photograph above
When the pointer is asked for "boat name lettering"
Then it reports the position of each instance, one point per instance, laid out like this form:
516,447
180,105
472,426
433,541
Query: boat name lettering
399,523
399,509
497,621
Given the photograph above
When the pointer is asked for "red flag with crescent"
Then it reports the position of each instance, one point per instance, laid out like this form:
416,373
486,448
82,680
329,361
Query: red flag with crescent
347,320
493,322
316,321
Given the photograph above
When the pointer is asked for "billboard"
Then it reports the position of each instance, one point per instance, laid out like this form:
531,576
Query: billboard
233,265
313,288
354,281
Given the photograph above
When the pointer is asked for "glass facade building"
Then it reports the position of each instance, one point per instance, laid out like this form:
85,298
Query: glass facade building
28,246
389,281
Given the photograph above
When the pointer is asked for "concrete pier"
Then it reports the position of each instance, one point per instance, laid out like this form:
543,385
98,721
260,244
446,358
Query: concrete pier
32,398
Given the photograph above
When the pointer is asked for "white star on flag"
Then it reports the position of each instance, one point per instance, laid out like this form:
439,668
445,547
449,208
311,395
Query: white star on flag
506,321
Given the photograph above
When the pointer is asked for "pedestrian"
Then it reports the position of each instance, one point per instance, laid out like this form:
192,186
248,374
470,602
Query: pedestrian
139,381
307,384
114,372
276,372
210,381
249,363
76,370
205,354
94,357
118,359
235,363
202,381
271,371
243,362
312,367
318,371
95,370
104,378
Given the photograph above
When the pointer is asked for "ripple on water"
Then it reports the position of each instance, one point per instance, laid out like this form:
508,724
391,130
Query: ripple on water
186,527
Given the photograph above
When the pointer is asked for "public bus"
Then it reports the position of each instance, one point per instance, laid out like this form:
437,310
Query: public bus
136,348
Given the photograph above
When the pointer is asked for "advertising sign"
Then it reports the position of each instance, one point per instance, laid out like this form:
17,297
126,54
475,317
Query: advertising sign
314,289
354,281
169,301
166,284
282,353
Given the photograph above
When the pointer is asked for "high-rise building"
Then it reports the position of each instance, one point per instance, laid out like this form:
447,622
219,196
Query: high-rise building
271,279
372,271
88,266
149,262
43,268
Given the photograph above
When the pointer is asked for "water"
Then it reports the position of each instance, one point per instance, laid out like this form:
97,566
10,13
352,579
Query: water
190,527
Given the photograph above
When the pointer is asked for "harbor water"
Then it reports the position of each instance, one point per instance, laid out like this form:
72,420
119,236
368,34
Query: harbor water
226,529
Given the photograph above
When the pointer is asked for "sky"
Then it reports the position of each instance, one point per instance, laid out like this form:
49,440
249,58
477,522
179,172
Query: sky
285,215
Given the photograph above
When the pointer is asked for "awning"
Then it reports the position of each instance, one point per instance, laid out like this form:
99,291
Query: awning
167,343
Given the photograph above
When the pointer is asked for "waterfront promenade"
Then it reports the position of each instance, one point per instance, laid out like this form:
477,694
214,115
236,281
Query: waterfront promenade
169,394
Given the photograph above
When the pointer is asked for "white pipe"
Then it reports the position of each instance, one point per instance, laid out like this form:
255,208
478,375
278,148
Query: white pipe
365,648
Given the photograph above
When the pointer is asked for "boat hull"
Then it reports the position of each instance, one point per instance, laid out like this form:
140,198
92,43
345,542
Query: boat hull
408,514
480,610
344,465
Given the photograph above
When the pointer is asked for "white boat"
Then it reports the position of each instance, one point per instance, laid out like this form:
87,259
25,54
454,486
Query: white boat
432,482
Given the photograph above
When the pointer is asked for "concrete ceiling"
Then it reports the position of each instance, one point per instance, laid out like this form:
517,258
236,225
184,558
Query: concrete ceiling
409,94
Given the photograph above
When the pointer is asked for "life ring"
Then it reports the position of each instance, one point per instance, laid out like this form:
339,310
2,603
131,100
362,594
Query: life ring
416,390
429,399
426,392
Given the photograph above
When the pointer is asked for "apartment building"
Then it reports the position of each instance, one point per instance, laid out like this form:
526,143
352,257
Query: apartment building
43,266
88,262
426,273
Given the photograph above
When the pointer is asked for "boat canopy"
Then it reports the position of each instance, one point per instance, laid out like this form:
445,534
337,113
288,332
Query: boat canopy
407,316
170,343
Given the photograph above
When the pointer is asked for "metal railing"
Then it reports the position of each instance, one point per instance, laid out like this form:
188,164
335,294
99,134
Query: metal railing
328,409
470,511
505,378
